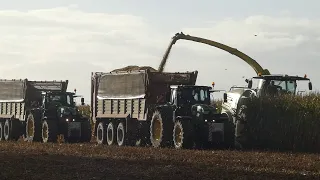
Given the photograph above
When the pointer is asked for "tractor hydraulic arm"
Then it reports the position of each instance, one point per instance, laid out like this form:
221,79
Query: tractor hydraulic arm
257,68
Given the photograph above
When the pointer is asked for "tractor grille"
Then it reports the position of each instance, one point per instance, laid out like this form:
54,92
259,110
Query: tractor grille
74,129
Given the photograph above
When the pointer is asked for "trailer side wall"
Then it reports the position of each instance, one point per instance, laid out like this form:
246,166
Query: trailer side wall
118,95
12,96
16,96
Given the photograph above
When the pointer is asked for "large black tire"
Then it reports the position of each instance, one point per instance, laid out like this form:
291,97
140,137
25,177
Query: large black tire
161,130
1,131
33,127
183,135
49,131
241,127
11,129
110,134
229,134
143,135
86,132
101,133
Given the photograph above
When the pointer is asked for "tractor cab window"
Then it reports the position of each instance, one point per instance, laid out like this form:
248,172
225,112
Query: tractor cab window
64,99
203,95
194,96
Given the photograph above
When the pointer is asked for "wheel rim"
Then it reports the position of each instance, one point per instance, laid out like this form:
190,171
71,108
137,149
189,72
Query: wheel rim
1,136
120,135
178,134
6,130
30,129
110,134
45,132
99,133
156,131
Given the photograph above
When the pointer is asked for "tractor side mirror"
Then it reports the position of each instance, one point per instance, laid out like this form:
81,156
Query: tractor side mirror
82,101
250,84
310,86
225,97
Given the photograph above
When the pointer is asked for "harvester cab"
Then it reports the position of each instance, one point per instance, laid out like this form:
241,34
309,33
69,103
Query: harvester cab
276,84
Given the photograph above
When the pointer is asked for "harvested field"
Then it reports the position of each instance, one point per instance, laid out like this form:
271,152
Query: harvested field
87,161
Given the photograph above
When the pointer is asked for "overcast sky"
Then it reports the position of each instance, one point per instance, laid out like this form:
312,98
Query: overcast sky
69,39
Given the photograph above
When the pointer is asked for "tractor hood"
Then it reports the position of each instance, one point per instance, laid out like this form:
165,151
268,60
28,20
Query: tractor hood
67,111
203,109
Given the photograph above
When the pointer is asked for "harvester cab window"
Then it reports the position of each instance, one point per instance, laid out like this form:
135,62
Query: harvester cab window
291,86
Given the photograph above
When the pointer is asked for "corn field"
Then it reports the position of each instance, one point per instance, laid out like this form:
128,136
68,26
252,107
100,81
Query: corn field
285,123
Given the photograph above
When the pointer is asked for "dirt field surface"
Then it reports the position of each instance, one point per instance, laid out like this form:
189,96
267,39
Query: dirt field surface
88,161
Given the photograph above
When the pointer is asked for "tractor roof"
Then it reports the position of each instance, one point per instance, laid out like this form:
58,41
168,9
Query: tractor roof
282,77
190,86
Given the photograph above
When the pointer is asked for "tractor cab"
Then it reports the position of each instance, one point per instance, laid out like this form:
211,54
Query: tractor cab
276,84
186,94
60,104
190,99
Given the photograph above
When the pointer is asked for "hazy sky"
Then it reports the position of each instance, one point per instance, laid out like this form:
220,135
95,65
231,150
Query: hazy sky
64,39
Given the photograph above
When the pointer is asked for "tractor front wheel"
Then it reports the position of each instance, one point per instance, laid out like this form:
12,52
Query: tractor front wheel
182,135
49,131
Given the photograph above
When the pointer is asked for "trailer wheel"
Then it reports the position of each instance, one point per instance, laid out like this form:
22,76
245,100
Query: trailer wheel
160,130
110,133
182,135
6,130
101,133
120,134
49,131
33,127
11,129
1,131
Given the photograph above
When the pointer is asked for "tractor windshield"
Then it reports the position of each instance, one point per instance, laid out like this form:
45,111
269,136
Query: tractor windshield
194,95
64,99
289,86
272,86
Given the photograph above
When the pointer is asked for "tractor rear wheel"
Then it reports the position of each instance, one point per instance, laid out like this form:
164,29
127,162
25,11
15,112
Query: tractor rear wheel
182,135
33,127
161,130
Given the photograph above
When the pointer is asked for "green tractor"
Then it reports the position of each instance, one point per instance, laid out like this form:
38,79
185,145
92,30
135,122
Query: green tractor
58,115
188,120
